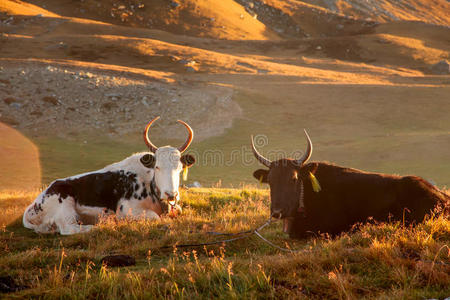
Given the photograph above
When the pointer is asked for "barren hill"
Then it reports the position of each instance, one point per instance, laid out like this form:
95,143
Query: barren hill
360,75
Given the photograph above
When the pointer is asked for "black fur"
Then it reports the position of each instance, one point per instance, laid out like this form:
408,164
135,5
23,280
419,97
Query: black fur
96,189
148,160
187,160
348,196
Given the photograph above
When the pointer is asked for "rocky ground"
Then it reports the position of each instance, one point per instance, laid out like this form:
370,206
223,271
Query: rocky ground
64,101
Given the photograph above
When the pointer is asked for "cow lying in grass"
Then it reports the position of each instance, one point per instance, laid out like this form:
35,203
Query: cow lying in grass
322,197
136,186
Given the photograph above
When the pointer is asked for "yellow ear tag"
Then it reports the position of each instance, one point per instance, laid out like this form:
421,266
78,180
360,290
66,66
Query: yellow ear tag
185,173
315,183
261,179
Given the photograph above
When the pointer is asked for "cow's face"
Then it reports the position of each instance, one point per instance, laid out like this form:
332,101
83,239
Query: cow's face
283,177
168,166
284,180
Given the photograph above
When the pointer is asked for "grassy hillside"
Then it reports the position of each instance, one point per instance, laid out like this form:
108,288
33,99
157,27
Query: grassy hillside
381,134
383,261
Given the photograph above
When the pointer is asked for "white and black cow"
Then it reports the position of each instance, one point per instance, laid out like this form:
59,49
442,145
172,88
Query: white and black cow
136,186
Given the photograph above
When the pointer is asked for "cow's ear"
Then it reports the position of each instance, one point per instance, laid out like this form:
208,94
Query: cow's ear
148,160
261,175
187,160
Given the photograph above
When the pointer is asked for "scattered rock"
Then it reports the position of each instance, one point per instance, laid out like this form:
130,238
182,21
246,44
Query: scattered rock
36,113
191,63
60,45
10,100
174,4
118,260
244,64
9,120
441,68
16,105
114,96
7,285
191,69
109,105
50,100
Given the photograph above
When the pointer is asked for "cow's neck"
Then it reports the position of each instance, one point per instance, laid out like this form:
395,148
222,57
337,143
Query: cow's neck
154,191
301,198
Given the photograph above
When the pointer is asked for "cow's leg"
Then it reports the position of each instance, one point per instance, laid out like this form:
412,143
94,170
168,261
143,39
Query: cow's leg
68,229
66,218
135,209
91,215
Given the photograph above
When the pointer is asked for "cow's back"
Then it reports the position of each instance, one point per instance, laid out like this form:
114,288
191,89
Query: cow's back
349,196
102,189
419,197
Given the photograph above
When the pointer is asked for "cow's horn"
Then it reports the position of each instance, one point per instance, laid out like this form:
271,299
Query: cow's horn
147,141
259,157
304,159
189,139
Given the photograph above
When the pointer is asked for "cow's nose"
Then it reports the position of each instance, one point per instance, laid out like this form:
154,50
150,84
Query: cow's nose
277,214
171,196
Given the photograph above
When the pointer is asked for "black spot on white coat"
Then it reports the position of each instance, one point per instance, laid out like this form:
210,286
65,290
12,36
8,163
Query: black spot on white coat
97,189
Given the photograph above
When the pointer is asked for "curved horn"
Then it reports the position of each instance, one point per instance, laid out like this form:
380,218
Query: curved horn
189,139
259,157
308,152
147,141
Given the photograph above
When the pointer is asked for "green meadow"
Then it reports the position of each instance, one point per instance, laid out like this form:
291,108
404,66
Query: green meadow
383,133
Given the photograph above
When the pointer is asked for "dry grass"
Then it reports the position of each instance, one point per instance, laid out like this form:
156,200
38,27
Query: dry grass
12,205
384,261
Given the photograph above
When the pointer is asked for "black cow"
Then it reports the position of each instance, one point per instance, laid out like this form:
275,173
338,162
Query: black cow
322,197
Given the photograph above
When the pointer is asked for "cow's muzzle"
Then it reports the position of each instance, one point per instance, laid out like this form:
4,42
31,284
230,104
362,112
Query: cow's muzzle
287,221
171,196
277,214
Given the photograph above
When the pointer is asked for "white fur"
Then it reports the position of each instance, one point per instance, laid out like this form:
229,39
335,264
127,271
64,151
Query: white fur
54,216
62,217
167,171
